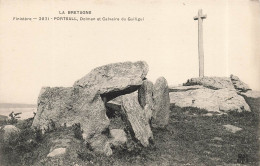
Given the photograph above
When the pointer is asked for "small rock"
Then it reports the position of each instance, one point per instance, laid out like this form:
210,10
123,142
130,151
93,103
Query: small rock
100,144
232,128
9,130
61,142
57,152
118,137
215,158
208,114
84,136
217,139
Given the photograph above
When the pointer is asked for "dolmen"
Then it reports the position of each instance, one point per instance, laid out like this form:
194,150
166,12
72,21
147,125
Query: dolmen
119,87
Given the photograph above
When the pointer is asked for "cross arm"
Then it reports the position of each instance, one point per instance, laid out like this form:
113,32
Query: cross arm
202,17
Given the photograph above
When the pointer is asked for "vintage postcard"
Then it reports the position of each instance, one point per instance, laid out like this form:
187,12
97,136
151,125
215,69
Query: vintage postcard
150,82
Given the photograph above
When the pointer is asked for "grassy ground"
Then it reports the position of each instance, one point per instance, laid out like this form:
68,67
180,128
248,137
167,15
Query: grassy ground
190,139
194,139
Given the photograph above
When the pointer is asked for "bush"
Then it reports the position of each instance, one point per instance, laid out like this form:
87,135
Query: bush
14,150
38,135
77,131
86,155
14,117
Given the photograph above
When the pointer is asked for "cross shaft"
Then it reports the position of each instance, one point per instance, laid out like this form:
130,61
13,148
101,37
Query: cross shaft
200,18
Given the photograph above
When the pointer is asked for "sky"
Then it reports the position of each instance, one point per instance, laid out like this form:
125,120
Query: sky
34,54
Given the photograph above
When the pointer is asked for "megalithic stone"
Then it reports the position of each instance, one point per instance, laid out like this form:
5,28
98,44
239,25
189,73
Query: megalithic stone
200,18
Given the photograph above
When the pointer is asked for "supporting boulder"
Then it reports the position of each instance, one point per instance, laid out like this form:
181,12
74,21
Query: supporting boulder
145,98
54,107
161,103
134,117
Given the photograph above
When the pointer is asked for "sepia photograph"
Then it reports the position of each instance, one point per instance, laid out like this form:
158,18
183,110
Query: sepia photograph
150,82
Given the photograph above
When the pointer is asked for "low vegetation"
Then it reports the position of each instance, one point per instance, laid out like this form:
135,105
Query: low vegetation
191,138
20,145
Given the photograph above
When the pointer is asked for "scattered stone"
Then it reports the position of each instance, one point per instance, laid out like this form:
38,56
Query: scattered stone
238,84
215,158
145,98
57,152
208,114
231,128
218,101
84,136
118,137
217,139
100,144
9,130
161,103
64,142
211,82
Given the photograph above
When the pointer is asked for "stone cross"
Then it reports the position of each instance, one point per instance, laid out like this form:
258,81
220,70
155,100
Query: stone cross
200,18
